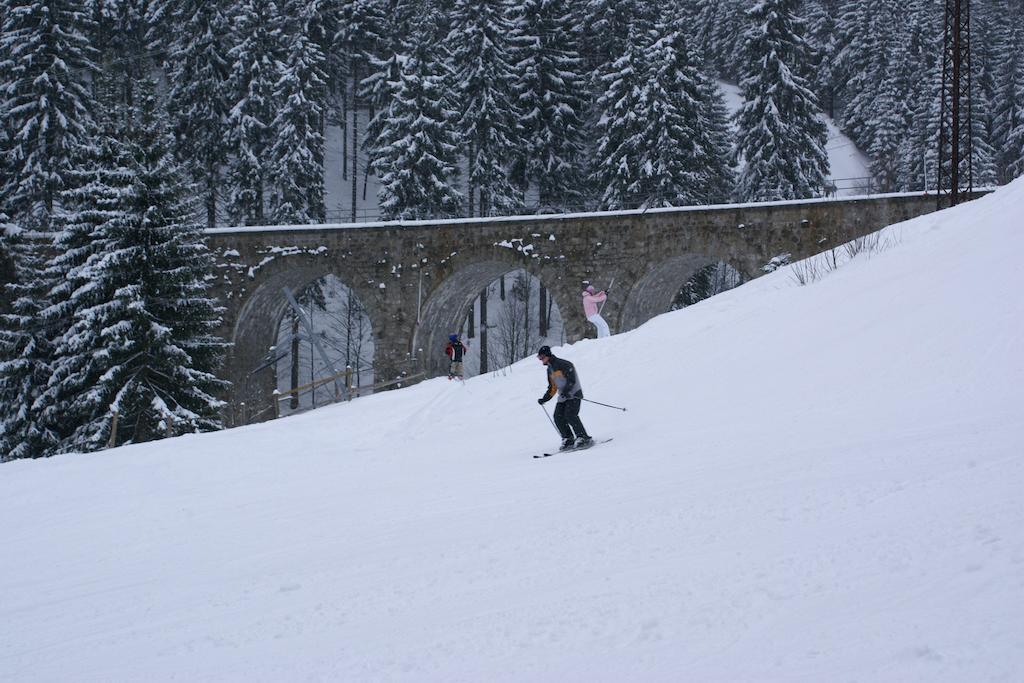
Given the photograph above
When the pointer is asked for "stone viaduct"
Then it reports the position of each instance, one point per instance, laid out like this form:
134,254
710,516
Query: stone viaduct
417,279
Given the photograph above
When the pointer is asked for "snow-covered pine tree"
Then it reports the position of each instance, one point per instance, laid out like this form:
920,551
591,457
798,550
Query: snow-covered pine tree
1008,104
360,31
983,161
550,92
390,25
256,68
871,32
297,151
323,23
781,138
197,66
97,193
47,63
126,40
889,130
323,29
717,175
608,25
693,144
984,26
717,30
153,358
688,100
855,64
414,153
1014,150
8,228
663,131
887,104
26,352
7,232
479,43
623,170
918,151
921,35
823,39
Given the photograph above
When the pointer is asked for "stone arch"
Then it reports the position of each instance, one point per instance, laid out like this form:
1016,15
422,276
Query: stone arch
343,330
446,306
255,330
653,292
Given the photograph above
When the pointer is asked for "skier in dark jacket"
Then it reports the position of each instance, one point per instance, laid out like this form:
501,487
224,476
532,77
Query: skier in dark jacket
455,350
562,380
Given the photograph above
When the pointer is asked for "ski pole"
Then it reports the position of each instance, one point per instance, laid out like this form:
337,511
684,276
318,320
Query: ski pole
550,420
602,404
601,307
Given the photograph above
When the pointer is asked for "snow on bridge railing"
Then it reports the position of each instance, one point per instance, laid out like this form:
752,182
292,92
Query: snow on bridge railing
543,217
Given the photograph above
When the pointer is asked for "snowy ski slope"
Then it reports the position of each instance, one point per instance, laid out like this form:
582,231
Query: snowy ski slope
812,483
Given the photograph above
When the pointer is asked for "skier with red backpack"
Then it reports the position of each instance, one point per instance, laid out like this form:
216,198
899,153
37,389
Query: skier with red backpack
455,350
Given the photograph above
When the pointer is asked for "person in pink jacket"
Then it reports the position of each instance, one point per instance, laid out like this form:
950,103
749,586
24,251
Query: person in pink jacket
590,302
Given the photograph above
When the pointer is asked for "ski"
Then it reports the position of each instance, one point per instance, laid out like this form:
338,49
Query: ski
575,448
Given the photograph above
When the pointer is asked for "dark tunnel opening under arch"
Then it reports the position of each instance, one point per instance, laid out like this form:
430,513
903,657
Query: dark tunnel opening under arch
448,310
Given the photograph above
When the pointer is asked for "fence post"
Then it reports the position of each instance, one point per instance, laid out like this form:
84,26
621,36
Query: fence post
112,441
169,421
348,381
277,404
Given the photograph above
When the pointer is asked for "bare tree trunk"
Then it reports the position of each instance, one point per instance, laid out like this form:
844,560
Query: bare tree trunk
355,137
470,320
312,355
348,327
366,171
527,286
469,178
343,124
212,185
502,288
294,403
483,331
360,334
320,210
542,313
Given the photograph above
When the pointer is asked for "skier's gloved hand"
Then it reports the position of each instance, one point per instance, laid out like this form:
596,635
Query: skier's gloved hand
543,399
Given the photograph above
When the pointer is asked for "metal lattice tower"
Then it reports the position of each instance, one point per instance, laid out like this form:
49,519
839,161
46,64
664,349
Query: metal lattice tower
955,146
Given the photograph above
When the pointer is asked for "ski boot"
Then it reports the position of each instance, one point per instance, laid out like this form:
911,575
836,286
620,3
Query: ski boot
584,441
567,444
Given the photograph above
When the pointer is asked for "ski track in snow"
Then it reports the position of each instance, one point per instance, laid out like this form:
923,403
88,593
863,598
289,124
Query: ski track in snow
811,483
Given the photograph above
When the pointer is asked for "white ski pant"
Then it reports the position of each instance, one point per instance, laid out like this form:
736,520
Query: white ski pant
602,327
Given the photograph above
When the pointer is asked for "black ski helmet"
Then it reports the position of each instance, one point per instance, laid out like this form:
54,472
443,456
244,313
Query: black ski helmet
544,351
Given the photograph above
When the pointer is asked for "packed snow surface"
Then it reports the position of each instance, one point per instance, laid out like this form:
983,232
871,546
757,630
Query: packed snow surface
812,483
